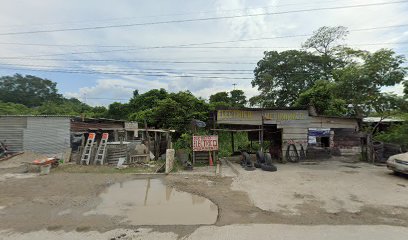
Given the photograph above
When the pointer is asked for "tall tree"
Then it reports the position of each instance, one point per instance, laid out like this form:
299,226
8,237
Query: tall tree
322,96
28,90
220,97
361,80
326,42
281,77
238,98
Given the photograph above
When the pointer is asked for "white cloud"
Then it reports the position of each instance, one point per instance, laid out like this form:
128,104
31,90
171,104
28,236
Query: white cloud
31,15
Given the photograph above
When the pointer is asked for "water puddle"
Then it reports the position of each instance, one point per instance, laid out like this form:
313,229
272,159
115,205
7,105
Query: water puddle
150,202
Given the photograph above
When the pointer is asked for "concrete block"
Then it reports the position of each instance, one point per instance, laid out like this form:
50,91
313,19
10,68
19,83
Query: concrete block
169,160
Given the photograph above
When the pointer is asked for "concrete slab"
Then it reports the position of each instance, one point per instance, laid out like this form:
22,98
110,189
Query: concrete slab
333,185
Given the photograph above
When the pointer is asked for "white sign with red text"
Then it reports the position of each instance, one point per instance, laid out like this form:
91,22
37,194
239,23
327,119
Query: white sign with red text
205,143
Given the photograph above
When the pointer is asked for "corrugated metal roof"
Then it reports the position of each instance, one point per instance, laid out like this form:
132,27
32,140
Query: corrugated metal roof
68,116
265,109
378,119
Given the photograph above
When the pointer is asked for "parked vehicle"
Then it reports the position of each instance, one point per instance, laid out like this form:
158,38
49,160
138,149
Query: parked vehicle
398,163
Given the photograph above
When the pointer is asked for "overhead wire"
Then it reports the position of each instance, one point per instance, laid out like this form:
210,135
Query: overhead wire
121,73
176,14
197,44
200,19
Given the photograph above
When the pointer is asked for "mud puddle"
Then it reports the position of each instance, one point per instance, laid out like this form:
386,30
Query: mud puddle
150,202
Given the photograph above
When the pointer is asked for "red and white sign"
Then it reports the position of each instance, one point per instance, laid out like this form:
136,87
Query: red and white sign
205,143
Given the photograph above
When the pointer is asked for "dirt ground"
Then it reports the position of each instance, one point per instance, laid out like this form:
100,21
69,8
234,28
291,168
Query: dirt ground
331,193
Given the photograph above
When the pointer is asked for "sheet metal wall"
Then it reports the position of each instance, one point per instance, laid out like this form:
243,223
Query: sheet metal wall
47,134
11,130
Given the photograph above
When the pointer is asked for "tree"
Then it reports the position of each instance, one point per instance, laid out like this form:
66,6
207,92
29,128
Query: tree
323,98
281,77
406,88
220,97
360,81
325,41
147,100
397,133
235,98
238,98
28,90
119,111
169,110
15,109
325,38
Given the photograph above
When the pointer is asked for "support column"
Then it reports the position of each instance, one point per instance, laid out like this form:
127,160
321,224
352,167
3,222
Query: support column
232,142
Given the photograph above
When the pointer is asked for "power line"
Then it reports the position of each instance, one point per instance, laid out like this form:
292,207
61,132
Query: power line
166,15
174,14
122,73
166,70
198,44
176,47
200,19
142,61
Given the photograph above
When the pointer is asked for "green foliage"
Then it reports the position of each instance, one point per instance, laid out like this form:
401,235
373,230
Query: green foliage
324,38
397,133
354,77
281,77
235,98
119,111
322,96
238,98
71,107
360,80
170,110
28,90
184,142
220,97
15,109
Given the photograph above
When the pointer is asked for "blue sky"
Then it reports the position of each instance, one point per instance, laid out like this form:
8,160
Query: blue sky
128,48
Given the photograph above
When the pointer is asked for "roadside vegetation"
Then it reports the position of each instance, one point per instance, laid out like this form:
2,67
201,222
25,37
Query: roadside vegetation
325,73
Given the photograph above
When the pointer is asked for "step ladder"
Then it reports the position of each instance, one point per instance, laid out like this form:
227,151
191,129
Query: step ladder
86,154
101,153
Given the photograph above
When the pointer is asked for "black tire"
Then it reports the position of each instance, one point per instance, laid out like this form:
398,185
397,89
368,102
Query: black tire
246,159
291,153
249,168
260,157
269,168
268,159
257,165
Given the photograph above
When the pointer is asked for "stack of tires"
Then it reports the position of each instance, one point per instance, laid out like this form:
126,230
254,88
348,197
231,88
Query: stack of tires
264,161
246,162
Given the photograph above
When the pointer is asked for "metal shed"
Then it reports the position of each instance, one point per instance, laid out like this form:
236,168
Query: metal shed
42,134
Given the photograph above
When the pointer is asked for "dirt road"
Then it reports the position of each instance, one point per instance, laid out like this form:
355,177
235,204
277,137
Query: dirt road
295,197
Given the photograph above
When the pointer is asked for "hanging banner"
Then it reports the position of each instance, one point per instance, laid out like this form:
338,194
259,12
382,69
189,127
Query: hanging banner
205,143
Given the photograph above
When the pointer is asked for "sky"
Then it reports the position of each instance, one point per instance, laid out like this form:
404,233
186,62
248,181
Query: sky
100,51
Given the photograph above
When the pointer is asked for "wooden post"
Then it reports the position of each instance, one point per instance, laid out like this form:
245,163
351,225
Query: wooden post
232,142
262,132
193,154
148,140
215,133
167,140
156,151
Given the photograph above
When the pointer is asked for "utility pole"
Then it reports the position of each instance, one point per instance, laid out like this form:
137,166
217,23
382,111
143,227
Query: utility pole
234,84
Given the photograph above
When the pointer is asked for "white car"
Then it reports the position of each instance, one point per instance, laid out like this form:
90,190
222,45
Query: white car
398,163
